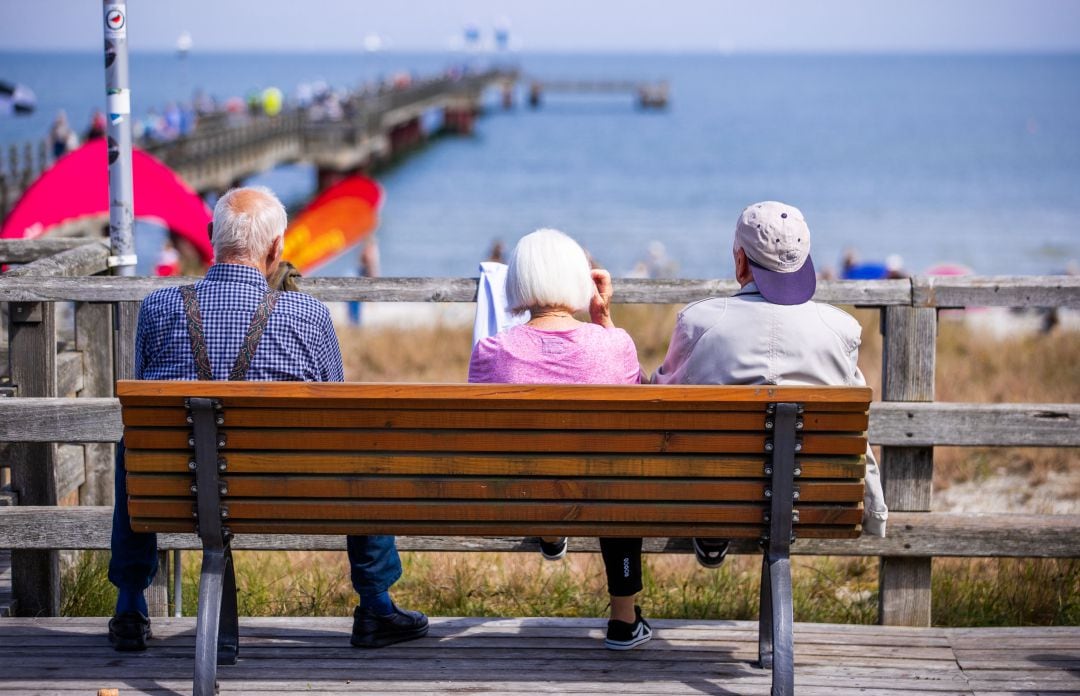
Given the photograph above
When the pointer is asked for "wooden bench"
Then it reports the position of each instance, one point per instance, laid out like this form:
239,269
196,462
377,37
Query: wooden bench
221,459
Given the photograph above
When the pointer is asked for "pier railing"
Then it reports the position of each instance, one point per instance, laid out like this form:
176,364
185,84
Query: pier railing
70,335
226,148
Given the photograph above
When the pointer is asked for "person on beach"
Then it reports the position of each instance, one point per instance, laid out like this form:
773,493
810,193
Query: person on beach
770,333
549,276
211,319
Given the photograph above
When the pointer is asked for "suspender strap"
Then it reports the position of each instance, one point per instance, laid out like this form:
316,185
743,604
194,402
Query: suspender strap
196,333
251,338
254,335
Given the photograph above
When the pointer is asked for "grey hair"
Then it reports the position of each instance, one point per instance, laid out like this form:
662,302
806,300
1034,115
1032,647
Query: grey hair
246,223
548,269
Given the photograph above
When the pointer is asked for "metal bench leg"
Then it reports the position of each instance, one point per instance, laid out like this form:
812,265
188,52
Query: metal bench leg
206,627
775,635
229,628
765,626
783,648
217,623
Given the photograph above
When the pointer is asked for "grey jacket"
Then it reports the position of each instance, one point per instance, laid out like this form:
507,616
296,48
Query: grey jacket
746,339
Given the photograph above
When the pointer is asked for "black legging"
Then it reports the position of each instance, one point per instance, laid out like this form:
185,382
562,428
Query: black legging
622,561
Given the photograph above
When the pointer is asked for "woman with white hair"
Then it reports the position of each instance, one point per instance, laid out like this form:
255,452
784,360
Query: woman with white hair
549,277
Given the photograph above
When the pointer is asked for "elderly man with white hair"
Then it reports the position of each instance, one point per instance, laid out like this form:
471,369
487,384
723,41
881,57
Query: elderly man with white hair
770,333
232,325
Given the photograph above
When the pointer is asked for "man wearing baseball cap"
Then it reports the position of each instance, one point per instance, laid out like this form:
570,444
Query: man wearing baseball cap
770,332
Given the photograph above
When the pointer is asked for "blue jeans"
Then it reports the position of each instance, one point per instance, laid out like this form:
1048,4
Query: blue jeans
374,561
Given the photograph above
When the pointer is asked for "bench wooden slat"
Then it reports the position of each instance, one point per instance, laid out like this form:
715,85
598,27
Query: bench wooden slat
496,529
487,488
472,396
580,441
442,463
482,419
599,511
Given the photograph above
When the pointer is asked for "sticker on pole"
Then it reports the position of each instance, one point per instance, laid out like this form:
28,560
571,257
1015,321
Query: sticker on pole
115,21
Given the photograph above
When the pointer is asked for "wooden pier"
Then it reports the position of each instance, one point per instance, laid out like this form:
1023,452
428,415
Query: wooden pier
648,95
62,657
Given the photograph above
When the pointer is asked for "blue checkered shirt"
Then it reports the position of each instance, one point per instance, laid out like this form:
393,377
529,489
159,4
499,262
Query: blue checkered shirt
299,343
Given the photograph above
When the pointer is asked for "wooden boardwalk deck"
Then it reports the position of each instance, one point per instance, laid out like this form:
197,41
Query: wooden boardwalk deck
544,656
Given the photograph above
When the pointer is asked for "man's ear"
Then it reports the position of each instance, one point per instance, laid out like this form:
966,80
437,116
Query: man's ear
210,231
276,249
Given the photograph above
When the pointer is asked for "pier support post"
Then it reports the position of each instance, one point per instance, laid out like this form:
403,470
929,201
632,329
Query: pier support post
910,346
35,575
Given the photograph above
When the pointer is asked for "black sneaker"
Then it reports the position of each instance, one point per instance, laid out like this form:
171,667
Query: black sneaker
371,631
710,553
553,550
128,631
625,636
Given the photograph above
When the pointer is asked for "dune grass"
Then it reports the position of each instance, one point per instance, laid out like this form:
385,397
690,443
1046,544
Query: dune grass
966,592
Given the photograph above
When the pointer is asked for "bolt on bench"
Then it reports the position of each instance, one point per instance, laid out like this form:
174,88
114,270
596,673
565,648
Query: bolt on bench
226,458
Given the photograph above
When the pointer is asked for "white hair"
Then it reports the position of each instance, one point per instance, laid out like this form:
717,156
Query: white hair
246,223
548,269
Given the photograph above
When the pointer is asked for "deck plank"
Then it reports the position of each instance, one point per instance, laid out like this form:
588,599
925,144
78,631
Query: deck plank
65,656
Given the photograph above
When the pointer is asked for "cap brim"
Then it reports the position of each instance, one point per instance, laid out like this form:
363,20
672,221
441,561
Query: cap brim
786,288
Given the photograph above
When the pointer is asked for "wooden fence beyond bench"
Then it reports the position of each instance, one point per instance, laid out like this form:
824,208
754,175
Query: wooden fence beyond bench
768,463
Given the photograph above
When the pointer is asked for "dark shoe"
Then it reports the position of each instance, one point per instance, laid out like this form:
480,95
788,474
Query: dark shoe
553,550
626,636
129,631
371,631
710,553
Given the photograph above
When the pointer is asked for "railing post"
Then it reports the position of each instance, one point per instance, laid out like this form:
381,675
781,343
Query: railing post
35,575
909,350
93,338
127,317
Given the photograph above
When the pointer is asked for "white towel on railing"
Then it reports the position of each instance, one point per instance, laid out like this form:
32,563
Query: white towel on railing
492,315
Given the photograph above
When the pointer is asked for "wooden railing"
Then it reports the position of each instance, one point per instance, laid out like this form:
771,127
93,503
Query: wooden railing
907,423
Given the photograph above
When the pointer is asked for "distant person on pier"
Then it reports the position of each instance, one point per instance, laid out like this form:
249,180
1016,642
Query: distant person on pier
221,318
549,276
498,252
62,138
770,333
854,269
369,268
97,128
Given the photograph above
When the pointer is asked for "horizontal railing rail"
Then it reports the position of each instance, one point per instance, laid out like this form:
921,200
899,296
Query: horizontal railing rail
911,535
925,292
926,424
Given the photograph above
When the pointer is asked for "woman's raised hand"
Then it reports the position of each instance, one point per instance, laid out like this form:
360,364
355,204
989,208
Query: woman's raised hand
600,306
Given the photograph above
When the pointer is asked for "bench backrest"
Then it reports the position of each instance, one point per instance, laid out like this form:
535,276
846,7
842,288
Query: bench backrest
493,460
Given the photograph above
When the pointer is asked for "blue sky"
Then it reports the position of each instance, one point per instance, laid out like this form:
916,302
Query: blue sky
560,25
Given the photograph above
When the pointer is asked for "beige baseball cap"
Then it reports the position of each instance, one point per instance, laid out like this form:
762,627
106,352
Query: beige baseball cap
776,240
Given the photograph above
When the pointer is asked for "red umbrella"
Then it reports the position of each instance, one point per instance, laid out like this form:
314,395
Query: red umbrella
77,187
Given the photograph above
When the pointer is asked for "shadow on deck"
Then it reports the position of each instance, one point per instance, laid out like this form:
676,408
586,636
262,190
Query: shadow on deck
544,656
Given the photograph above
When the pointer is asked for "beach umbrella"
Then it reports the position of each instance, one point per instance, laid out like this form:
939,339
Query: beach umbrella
338,219
16,99
76,187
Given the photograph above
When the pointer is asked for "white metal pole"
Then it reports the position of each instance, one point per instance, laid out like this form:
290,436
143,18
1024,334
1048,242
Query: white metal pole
118,107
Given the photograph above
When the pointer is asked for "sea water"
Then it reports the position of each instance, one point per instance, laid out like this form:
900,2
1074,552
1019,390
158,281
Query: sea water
964,159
